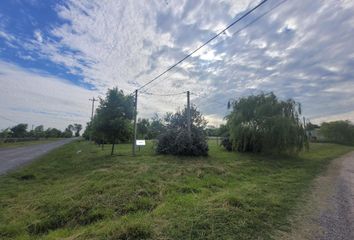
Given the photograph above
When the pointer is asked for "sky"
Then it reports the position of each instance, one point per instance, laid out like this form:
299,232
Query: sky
56,55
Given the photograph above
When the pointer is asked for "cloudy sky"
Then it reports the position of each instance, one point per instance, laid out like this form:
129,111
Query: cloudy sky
55,55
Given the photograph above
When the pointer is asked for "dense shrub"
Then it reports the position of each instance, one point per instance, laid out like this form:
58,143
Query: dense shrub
175,140
226,143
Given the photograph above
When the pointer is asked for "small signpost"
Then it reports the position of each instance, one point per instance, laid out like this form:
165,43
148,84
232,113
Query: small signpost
140,143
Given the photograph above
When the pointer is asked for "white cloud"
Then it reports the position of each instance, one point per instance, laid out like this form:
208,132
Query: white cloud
33,98
38,36
301,50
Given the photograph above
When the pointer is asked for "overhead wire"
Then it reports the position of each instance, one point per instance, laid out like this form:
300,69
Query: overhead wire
234,33
8,119
204,44
254,21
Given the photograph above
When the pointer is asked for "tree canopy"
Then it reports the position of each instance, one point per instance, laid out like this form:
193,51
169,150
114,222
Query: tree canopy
112,122
341,132
263,123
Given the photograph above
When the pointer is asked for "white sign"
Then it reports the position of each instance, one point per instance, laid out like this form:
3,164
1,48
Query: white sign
140,142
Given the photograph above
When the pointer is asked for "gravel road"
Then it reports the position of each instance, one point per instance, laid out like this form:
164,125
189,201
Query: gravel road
337,221
328,213
15,157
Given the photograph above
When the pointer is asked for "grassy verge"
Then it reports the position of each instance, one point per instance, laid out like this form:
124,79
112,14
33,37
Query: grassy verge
80,192
26,143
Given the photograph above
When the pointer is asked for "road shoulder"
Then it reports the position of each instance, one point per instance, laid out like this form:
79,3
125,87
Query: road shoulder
327,213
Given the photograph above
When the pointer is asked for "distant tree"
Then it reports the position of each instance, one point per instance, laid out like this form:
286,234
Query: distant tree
113,118
39,131
53,133
19,131
212,131
341,132
6,133
143,126
156,127
263,123
175,139
310,126
68,132
77,129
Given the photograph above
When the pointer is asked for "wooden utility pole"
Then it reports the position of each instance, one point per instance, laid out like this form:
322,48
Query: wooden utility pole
93,106
135,113
189,116
304,122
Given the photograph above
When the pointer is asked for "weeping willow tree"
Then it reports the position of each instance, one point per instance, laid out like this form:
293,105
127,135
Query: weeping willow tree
263,123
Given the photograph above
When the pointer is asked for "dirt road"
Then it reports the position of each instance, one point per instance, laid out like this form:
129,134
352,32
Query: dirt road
328,213
337,220
15,157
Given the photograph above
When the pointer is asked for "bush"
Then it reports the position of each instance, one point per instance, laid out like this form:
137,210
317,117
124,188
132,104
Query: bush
179,143
175,140
226,143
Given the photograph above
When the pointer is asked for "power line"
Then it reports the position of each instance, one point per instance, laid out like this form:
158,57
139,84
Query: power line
8,119
249,24
204,44
234,33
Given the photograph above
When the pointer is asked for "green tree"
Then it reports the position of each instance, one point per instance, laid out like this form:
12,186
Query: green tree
39,131
19,131
143,126
53,133
223,130
263,123
341,132
5,133
176,140
156,127
68,132
77,129
113,118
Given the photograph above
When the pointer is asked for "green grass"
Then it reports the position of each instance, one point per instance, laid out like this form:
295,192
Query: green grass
26,143
80,192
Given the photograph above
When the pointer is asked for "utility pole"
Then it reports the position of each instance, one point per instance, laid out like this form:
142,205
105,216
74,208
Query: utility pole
93,106
189,116
135,113
304,122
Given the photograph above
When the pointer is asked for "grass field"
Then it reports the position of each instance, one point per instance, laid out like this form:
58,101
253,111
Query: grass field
27,143
80,192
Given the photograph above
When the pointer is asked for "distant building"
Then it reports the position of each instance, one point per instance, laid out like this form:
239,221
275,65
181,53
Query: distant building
315,135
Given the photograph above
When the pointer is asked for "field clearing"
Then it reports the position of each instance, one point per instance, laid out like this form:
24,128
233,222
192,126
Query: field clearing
80,192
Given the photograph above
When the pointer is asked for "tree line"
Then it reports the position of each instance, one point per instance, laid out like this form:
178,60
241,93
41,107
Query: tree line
257,123
21,131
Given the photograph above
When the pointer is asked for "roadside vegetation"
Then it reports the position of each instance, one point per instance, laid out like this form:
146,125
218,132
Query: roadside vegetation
341,132
19,135
179,186
81,192
26,143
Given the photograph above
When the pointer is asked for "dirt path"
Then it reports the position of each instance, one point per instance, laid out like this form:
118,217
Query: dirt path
12,158
328,213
